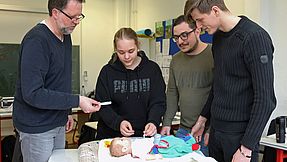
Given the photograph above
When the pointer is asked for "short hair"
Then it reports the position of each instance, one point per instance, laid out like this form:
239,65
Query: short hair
125,33
203,6
180,19
59,4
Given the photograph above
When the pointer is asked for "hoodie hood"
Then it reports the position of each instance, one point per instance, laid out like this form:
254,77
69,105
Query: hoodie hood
117,65
115,62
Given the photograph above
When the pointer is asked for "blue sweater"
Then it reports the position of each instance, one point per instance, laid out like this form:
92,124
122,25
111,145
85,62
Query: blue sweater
43,96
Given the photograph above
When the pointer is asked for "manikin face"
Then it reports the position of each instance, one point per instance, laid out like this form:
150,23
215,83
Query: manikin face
120,146
127,52
207,22
73,10
187,39
123,141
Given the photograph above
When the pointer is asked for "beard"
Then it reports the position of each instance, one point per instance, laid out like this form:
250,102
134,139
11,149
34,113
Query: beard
63,29
193,47
66,31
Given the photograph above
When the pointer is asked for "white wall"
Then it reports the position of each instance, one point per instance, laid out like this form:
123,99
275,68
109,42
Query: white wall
27,3
236,7
147,12
274,14
14,24
98,29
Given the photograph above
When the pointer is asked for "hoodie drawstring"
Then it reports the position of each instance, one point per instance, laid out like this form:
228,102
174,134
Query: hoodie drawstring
138,85
128,85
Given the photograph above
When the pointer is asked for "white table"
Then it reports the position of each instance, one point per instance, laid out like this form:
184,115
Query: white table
271,142
64,155
281,148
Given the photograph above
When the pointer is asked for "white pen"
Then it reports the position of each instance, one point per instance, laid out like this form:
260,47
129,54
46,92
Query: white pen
105,103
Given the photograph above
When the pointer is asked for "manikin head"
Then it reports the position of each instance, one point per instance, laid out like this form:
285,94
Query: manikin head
120,146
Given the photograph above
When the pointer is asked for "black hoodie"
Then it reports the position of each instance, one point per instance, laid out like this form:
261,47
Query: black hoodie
137,96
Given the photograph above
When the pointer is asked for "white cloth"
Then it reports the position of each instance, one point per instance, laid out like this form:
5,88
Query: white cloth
141,147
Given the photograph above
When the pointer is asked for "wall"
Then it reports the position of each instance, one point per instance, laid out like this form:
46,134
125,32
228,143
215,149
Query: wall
147,12
15,24
98,29
27,3
274,15
236,7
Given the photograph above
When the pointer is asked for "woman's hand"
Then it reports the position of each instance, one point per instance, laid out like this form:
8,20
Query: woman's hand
126,128
150,130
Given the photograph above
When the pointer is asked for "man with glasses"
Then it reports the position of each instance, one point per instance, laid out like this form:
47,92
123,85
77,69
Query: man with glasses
43,99
190,80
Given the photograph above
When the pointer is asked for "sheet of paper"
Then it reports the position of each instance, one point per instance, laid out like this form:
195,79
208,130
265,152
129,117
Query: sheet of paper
165,46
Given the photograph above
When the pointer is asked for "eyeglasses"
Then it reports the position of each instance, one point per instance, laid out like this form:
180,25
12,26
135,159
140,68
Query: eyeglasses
76,18
183,36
